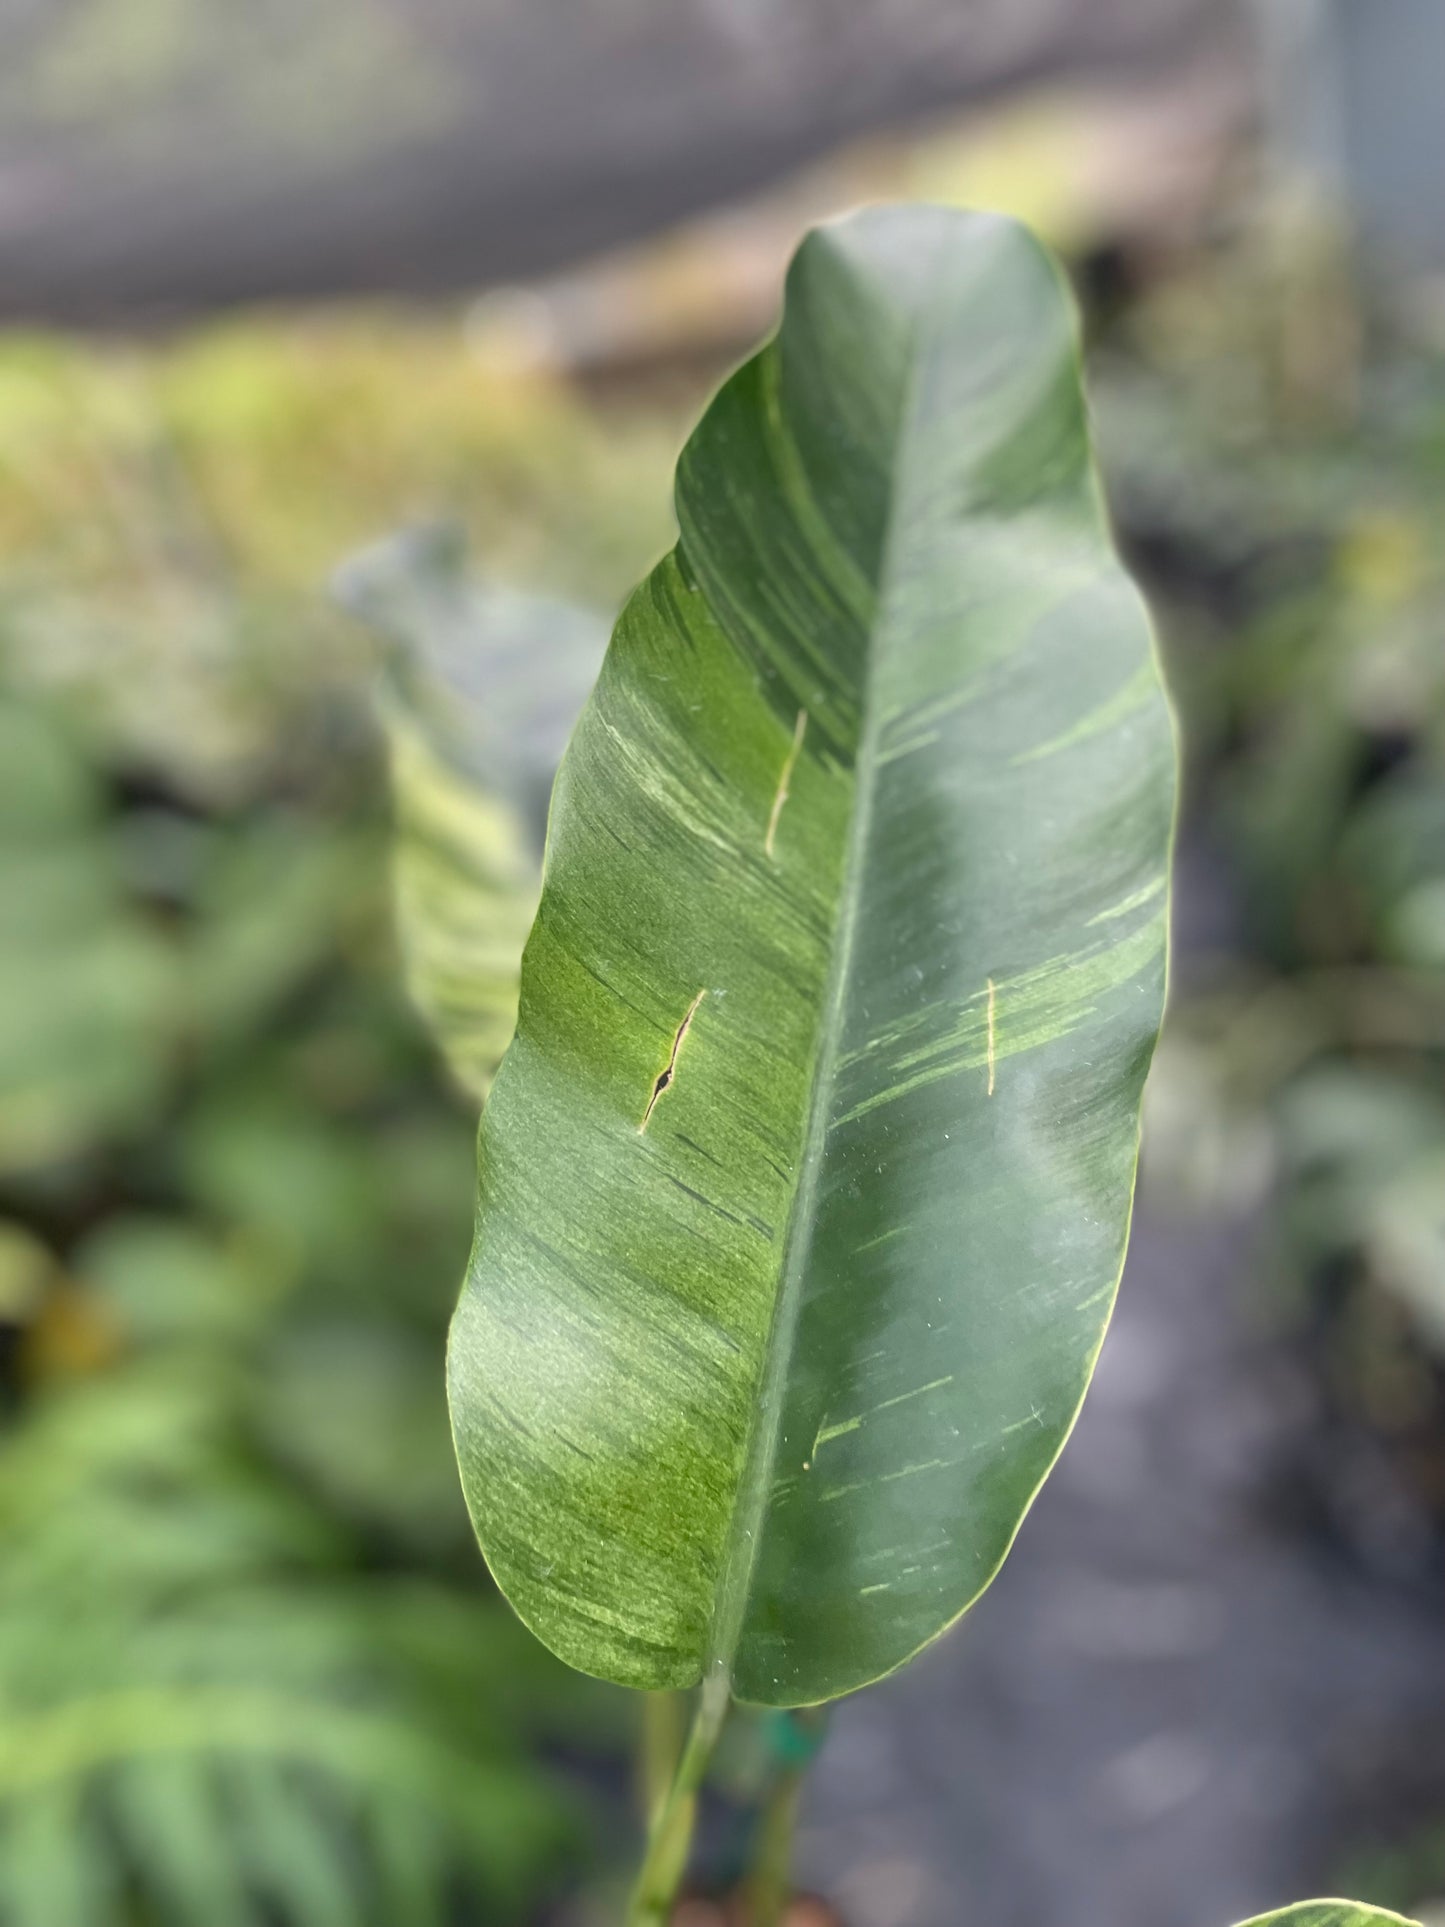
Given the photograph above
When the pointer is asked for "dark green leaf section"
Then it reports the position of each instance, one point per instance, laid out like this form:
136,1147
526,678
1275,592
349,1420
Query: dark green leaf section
1329,1913
805,1182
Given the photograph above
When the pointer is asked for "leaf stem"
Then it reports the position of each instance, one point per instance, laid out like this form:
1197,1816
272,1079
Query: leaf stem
672,1818
770,1878
794,1738
664,1727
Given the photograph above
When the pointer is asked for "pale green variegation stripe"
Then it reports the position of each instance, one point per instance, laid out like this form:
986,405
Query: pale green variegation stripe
1329,1913
1002,1018
805,1182
466,890
1137,693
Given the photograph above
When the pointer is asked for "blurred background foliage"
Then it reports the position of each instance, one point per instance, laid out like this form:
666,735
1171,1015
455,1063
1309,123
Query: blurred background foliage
248,1656
251,1669
1275,444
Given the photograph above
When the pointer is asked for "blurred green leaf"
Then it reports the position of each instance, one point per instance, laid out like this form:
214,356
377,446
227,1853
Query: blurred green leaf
237,1190
88,985
482,688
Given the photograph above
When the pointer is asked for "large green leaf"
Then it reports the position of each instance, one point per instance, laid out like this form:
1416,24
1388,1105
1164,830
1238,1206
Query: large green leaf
805,1182
1329,1913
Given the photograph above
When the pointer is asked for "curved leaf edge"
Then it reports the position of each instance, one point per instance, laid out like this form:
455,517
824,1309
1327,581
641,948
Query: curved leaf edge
643,1679
1077,369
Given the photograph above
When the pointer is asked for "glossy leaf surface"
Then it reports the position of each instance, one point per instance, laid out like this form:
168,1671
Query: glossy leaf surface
805,1182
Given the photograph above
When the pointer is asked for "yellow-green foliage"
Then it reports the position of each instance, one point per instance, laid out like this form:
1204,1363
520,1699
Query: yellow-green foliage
233,1185
170,512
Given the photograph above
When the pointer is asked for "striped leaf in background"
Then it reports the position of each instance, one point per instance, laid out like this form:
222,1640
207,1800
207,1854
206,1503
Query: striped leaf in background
480,689
805,1182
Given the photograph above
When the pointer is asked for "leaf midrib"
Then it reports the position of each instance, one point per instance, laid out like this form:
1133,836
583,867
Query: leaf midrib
760,1453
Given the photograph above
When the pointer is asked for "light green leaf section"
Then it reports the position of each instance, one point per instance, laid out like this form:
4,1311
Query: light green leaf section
466,889
805,1182
482,686
1329,1913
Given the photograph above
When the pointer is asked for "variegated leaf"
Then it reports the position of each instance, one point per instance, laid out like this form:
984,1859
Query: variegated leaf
805,1183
